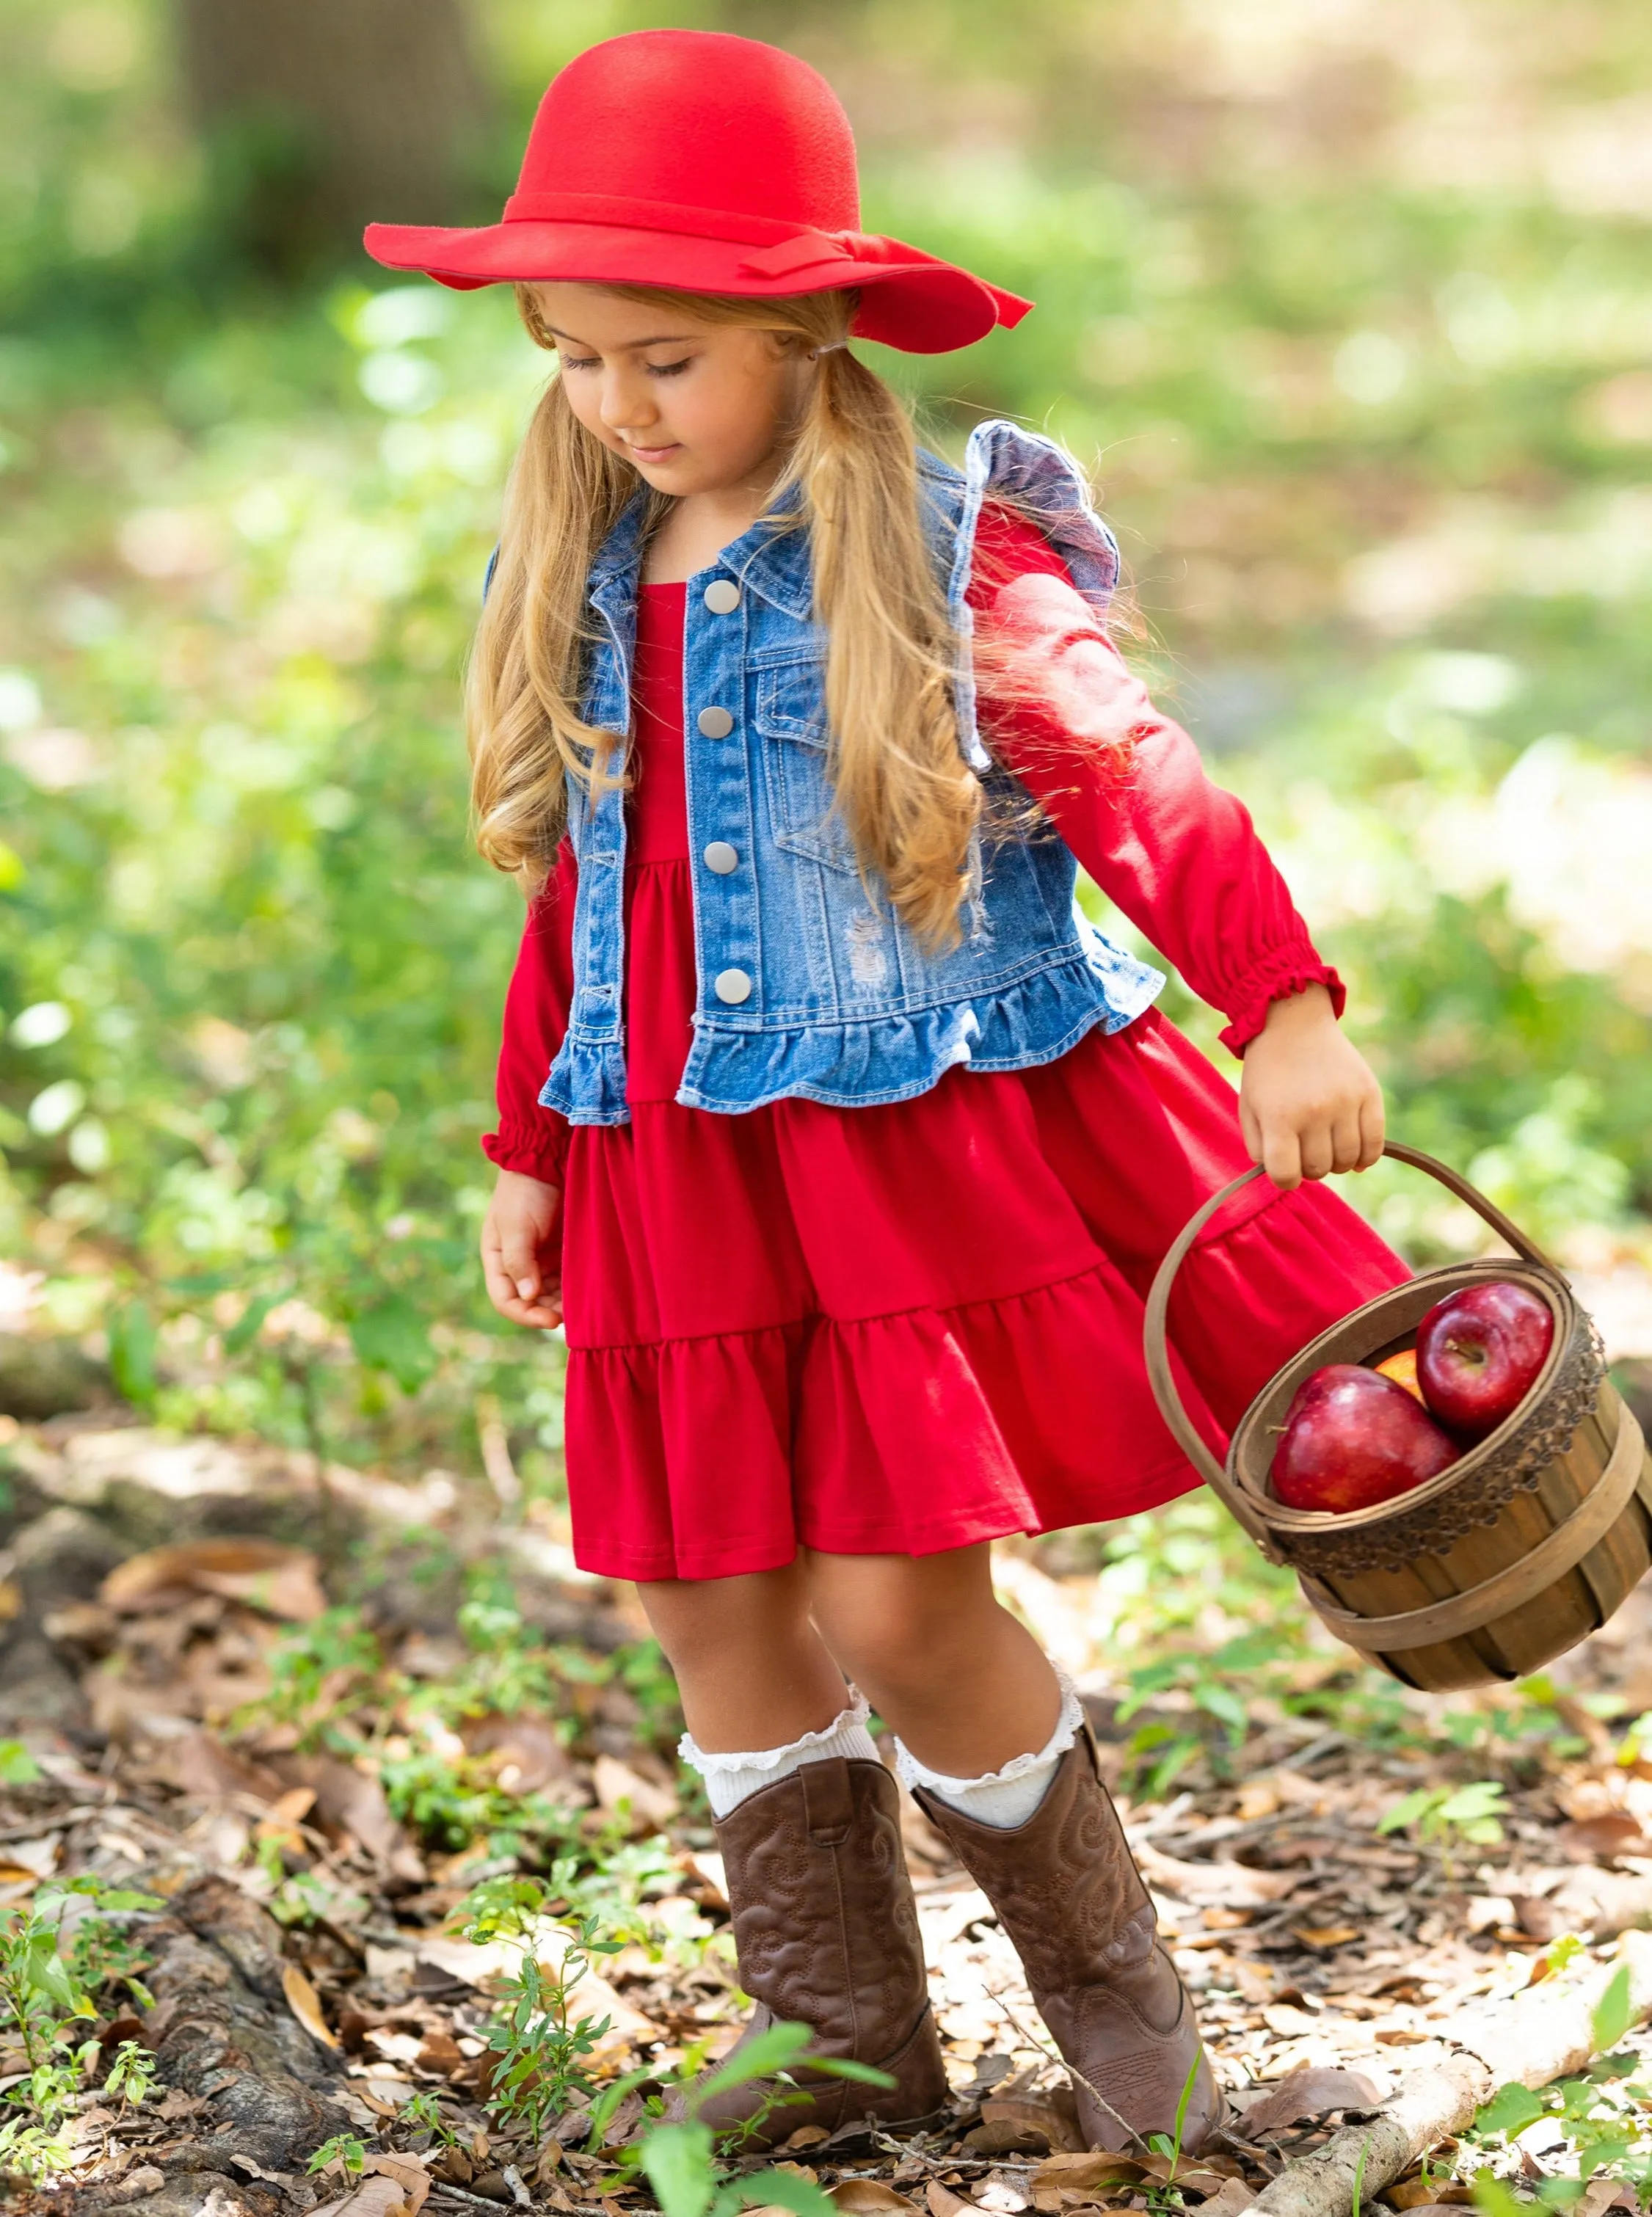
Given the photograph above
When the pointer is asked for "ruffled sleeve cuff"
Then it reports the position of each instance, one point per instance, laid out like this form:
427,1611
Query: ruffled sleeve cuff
1287,970
538,1149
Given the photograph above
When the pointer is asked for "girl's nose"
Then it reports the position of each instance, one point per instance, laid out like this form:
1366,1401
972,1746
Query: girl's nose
628,406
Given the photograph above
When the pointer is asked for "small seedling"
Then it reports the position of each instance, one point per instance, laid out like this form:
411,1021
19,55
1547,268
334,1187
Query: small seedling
346,2150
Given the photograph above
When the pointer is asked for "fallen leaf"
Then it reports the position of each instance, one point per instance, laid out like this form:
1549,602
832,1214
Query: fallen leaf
1033,2113
1229,1886
440,2052
200,1765
867,2194
1326,1935
29,1858
806,2136
1231,2199
306,2005
1416,2193
528,1750
374,2197
1603,2193
1001,2137
406,2170
354,1801
1086,2172
616,1784
148,2178
1600,1839
278,1581
943,2202
708,1868
1313,2090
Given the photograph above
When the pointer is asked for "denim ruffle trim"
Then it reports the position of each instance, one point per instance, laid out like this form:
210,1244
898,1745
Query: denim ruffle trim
888,1058
878,1060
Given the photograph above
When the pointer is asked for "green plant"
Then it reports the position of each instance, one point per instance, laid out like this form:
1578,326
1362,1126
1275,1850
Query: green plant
131,2075
679,2154
345,2150
423,2112
320,1673
1169,2145
48,1990
1470,1815
541,2042
17,1766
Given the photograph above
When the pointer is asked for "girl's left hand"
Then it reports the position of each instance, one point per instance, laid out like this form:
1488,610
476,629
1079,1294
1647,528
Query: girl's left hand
1307,1102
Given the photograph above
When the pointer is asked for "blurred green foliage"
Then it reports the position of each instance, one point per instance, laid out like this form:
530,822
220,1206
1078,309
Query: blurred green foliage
1353,313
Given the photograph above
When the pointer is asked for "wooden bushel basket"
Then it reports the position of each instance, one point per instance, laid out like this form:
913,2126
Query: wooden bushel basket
1511,1555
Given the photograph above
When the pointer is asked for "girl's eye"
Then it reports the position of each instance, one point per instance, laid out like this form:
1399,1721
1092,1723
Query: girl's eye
580,360
669,368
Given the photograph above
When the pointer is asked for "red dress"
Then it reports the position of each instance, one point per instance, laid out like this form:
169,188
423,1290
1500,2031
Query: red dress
901,1329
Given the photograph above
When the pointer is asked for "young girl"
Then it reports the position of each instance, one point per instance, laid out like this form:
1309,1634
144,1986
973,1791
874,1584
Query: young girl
844,1146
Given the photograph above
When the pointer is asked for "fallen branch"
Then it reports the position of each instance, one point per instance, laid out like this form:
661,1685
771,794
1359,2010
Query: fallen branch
1533,2040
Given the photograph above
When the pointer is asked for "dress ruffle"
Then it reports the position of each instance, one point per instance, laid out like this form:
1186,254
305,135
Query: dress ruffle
902,1329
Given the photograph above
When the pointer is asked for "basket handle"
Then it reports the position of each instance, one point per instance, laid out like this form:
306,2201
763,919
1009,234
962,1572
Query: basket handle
1161,1380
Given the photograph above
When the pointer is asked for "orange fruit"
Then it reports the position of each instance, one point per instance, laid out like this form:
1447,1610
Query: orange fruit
1402,1370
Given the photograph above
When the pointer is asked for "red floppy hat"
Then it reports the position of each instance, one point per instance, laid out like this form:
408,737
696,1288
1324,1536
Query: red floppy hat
706,164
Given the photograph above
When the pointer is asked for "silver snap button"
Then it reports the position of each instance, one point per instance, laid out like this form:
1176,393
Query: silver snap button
733,986
721,857
714,723
722,596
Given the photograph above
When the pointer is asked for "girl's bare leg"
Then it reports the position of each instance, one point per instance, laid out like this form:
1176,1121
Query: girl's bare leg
751,1667
966,1687
761,1659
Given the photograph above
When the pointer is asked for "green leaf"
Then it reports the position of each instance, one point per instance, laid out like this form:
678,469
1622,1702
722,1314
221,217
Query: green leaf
1226,1706
1493,2198
680,2163
242,1333
17,1766
774,2049
845,2066
1511,2109
1472,1804
1411,1806
1614,2012
132,1352
787,2191
393,1334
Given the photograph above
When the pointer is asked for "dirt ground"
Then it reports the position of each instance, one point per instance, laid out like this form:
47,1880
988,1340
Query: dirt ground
304,1829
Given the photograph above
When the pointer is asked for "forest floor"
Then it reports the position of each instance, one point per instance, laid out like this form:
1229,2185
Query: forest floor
308,1788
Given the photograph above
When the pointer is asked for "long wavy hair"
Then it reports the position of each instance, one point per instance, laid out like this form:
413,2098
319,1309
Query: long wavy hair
907,797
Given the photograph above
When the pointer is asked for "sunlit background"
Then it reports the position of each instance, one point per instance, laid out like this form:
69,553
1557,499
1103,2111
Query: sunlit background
1347,302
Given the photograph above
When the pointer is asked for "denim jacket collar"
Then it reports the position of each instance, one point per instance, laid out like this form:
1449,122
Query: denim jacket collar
771,557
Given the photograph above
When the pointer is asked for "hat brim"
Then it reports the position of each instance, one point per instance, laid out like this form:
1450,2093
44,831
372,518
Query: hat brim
908,298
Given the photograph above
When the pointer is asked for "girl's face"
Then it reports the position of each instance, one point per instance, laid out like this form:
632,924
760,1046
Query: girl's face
698,408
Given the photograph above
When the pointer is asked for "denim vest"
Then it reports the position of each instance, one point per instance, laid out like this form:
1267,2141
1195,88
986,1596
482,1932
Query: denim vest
806,988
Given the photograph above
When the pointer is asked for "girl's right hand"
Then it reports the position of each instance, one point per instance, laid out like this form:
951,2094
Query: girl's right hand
523,1282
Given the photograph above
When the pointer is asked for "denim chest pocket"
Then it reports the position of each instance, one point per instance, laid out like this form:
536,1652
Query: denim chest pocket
791,718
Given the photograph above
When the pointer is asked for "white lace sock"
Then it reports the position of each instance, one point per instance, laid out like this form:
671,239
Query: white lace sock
1002,1798
730,1778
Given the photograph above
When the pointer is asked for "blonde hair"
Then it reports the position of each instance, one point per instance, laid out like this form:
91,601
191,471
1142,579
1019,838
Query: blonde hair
907,797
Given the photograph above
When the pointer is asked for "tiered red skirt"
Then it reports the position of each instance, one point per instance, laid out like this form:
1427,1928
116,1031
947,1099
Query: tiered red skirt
898,1330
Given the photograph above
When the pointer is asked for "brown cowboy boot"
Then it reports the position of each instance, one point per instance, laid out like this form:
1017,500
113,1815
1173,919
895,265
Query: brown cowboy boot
1069,1896
826,1935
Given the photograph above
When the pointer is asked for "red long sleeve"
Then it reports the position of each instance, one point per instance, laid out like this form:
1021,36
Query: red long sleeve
530,1139
1125,788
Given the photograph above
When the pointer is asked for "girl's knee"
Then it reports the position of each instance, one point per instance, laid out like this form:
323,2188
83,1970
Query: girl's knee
696,1619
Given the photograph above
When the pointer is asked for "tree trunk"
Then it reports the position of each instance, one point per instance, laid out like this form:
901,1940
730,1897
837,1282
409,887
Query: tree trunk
322,115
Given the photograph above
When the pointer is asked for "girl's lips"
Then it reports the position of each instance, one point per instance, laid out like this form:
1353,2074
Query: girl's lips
654,453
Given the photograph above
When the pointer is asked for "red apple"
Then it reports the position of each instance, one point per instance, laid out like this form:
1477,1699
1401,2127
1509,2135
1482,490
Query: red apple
1479,1352
1353,1438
